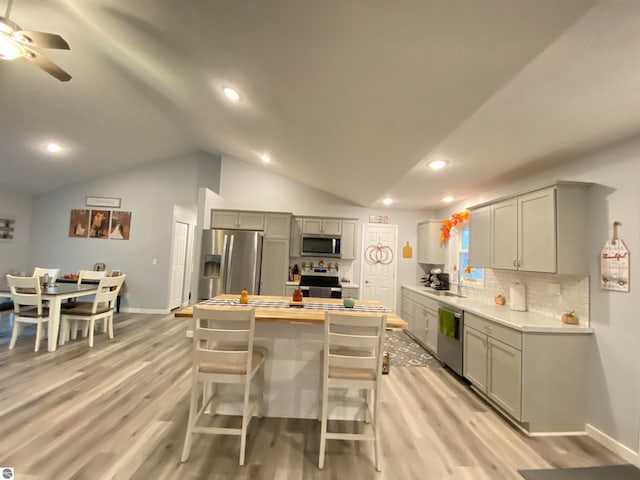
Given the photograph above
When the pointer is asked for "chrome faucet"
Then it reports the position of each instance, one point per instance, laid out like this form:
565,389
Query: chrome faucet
459,289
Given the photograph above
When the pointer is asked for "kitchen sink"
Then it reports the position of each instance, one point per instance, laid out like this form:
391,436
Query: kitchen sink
444,293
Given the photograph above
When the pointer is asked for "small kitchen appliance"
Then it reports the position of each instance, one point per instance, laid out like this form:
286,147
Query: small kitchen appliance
439,281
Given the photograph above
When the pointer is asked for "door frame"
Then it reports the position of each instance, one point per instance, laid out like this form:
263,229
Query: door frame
395,261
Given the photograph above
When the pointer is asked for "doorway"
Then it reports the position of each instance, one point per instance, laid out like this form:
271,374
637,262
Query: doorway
179,265
379,263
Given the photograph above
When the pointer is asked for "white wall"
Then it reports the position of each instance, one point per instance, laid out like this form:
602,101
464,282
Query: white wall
247,187
14,254
150,192
614,365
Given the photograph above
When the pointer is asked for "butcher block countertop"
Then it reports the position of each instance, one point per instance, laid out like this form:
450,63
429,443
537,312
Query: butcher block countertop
297,314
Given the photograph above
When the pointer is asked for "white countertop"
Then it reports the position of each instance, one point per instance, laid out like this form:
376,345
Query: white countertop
523,321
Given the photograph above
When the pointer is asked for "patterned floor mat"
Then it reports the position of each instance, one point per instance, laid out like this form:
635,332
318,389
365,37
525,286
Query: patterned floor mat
404,351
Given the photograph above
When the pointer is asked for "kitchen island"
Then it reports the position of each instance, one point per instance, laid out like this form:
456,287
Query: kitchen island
294,339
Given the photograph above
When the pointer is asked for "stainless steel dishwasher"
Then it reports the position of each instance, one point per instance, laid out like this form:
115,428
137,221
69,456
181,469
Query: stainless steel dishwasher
450,345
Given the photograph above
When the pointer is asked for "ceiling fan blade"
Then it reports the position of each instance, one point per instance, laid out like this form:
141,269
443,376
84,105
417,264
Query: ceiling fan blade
41,39
46,64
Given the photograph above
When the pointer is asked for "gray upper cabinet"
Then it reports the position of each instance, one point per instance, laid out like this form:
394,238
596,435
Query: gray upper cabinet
430,249
348,243
238,220
322,226
295,246
277,225
480,237
539,231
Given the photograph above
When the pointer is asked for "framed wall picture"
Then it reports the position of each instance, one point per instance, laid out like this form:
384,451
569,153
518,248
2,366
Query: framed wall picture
120,225
7,228
99,226
79,223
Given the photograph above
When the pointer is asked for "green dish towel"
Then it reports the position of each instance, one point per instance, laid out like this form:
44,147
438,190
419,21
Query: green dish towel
447,321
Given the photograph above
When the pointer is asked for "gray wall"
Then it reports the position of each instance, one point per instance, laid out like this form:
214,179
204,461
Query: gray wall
614,365
14,254
151,193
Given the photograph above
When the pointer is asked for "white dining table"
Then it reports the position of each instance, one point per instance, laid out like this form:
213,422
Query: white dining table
55,294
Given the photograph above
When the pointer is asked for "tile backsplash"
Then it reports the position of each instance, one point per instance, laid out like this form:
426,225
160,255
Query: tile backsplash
546,293
344,271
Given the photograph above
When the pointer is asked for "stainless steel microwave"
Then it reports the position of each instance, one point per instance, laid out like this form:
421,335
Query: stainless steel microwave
320,246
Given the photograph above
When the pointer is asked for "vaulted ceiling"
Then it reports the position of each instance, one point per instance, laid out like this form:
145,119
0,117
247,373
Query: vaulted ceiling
350,97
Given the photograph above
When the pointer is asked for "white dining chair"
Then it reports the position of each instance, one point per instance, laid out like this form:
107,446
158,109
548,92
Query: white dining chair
102,308
26,294
352,359
53,273
223,352
83,276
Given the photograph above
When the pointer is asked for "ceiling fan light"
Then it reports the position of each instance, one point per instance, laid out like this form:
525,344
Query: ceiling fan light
4,28
9,49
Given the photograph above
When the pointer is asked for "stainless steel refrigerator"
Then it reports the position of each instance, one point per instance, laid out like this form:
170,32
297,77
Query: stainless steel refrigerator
230,262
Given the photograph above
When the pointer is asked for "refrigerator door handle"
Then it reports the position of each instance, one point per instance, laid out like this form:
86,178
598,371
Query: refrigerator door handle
227,283
223,263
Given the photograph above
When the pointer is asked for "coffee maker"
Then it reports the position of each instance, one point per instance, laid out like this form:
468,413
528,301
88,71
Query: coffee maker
439,280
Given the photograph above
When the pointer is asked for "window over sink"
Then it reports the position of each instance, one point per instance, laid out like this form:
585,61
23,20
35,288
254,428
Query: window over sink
458,258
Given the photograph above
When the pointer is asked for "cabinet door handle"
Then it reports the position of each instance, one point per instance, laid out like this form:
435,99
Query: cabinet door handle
515,262
519,263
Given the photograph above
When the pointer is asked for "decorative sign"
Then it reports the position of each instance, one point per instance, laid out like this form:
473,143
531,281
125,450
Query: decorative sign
378,254
614,264
379,219
7,227
102,202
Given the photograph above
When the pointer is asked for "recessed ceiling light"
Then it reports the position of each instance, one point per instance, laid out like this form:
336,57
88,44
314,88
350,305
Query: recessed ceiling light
387,201
231,94
437,164
265,158
53,147
448,199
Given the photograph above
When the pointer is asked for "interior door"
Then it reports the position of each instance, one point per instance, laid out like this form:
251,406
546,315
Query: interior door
181,234
379,263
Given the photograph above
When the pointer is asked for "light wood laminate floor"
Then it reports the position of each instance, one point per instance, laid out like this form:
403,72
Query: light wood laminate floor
119,410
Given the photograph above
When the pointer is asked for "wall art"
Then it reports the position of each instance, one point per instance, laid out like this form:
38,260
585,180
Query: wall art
99,227
7,228
120,225
79,223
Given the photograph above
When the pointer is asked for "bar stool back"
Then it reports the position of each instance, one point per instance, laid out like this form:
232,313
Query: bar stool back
353,359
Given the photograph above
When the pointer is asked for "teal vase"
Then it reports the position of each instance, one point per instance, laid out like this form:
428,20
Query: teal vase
349,302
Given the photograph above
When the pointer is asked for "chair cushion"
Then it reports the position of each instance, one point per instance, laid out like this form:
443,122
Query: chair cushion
84,309
32,312
74,303
352,373
233,368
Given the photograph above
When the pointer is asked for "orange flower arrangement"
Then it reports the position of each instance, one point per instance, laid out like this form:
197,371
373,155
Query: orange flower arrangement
457,218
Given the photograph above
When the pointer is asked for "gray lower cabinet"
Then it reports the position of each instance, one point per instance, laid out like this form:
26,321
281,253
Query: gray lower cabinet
289,289
421,313
537,378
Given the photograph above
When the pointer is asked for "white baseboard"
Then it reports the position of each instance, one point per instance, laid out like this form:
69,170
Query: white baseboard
613,445
146,310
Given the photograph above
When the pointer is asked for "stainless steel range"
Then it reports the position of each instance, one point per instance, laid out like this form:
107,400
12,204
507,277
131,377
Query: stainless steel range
320,283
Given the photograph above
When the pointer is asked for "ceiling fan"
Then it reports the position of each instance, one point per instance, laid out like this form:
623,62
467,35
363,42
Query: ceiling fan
17,43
